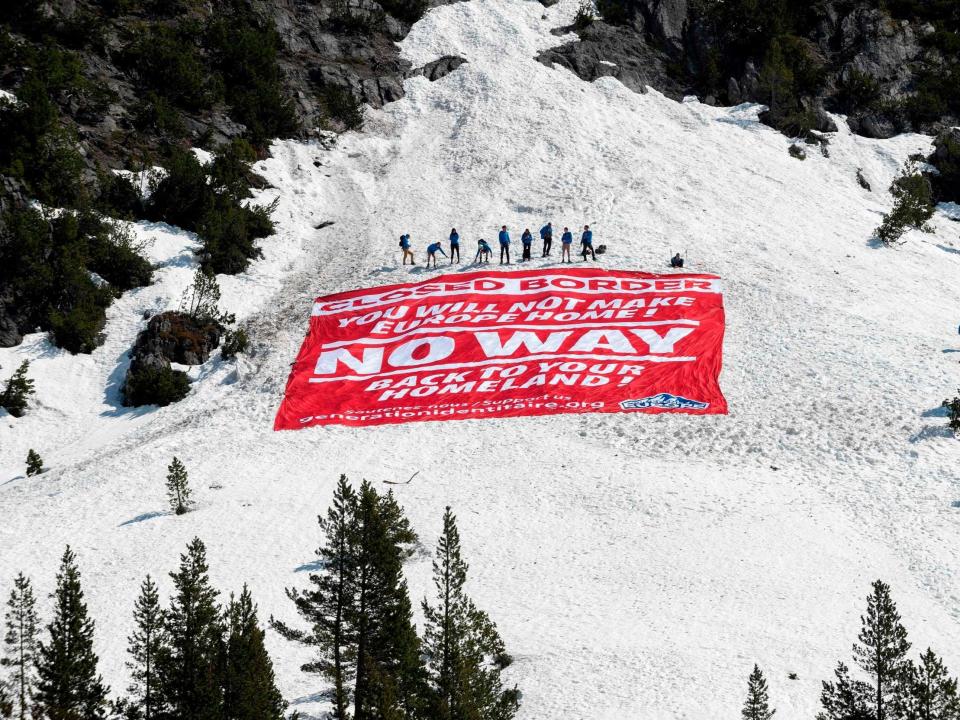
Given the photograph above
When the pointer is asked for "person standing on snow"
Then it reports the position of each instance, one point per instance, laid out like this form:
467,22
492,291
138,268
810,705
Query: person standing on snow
504,244
454,245
432,251
407,252
566,241
546,234
527,240
586,243
483,252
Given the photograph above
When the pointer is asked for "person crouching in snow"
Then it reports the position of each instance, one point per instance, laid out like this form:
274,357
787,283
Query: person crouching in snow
432,251
407,252
586,243
483,251
676,261
527,240
454,245
566,241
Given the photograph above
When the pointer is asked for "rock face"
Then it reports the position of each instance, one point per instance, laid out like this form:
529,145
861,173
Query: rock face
176,337
619,52
666,43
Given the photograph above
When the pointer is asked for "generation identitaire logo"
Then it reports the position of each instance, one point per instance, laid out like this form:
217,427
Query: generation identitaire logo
664,401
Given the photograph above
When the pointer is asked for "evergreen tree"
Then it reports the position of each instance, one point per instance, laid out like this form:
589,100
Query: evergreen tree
146,645
68,686
390,678
250,691
360,610
18,390
34,463
20,645
190,668
6,704
178,490
927,692
953,412
845,699
326,605
913,205
882,648
757,706
463,649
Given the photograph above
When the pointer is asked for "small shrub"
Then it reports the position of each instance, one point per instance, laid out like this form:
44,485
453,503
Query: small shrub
953,413
201,299
798,152
78,330
585,17
34,463
234,343
857,91
118,197
912,207
409,11
154,386
116,256
342,105
18,391
155,113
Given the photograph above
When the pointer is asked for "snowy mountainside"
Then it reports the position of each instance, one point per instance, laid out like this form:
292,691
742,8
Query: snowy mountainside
637,566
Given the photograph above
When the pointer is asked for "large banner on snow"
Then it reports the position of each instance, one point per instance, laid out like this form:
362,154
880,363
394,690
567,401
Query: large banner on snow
500,344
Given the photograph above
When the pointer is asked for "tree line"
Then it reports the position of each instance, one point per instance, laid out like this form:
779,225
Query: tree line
885,683
197,658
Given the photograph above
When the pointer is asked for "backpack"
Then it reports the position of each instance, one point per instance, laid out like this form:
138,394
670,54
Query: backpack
401,243
601,249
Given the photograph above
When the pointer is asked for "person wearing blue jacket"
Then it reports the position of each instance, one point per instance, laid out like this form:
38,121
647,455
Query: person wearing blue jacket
483,251
407,252
504,244
454,245
527,240
566,241
546,234
586,243
432,251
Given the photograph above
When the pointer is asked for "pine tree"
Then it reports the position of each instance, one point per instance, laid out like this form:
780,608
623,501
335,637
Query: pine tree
250,691
20,645
18,390
326,605
390,678
757,706
178,490
953,412
882,648
845,699
927,692
190,668
34,463
146,645
68,686
463,649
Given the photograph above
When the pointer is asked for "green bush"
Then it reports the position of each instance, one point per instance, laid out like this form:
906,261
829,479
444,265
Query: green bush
409,11
857,91
227,229
155,113
234,343
244,50
155,386
46,263
947,160
342,105
117,196
585,17
912,208
169,63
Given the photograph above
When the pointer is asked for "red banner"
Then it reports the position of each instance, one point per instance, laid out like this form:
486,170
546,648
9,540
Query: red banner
502,344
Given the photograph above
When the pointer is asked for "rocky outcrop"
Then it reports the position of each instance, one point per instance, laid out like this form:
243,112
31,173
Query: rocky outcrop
666,44
619,52
176,337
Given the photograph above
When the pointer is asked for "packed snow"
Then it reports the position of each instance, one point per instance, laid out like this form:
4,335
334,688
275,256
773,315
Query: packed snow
637,565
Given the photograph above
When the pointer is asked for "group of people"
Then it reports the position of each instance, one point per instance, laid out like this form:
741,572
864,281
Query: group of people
484,251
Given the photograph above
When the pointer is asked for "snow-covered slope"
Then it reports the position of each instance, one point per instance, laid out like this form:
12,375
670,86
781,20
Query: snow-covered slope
637,565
